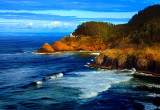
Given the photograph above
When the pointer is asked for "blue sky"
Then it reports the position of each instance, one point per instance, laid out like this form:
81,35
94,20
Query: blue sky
64,15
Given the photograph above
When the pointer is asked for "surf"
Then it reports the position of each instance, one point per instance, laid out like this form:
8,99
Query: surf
57,75
91,83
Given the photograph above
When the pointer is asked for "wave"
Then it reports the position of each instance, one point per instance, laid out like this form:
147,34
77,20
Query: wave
16,53
46,78
55,53
55,76
94,53
92,94
154,95
101,81
91,83
11,53
43,53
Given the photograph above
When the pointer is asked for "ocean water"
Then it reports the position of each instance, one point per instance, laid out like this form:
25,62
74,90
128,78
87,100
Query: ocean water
62,81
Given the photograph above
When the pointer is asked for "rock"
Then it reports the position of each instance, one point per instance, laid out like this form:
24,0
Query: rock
122,61
157,67
115,59
99,60
46,48
142,64
63,39
60,46
85,48
73,44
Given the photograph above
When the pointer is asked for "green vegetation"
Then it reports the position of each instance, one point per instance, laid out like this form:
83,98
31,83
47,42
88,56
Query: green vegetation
148,14
148,33
143,28
94,29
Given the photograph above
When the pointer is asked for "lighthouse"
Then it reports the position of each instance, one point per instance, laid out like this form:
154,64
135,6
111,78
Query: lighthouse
71,35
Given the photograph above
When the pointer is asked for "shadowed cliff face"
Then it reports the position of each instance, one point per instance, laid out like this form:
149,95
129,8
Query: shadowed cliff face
117,59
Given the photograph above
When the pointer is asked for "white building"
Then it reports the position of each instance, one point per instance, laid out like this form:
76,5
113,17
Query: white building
71,35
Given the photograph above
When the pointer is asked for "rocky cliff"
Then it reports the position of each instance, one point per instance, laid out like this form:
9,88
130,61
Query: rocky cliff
141,60
60,46
72,44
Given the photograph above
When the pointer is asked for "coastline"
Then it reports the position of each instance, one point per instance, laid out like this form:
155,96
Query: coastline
146,65
144,60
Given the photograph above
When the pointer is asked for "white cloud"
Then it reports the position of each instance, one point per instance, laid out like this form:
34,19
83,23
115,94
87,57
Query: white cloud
30,24
35,24
56,23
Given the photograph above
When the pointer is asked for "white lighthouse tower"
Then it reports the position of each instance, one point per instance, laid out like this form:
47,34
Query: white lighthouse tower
71,35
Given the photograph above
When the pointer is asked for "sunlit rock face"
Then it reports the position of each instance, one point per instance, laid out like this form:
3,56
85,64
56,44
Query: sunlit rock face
46,48
60,46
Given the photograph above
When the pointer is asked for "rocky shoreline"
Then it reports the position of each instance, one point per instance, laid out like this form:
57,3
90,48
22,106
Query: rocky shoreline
56,47
120,59
143,60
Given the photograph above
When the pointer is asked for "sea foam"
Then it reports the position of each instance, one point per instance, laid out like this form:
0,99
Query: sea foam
48,77
91,83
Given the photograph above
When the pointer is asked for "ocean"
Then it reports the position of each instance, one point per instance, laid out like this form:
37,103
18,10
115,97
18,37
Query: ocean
62,81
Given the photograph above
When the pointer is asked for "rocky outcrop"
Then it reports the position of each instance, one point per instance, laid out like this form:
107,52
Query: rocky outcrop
120,60
46,48
85,48
60,46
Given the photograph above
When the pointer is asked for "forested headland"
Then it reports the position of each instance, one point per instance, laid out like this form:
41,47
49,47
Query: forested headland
135,44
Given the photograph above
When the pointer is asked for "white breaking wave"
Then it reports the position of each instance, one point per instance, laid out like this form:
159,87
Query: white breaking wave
154,95
55,76
59,75
11,53
93,82
95,53
42,53
92,59
49,77
39,82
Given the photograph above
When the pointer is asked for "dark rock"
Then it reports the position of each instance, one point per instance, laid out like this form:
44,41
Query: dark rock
100,59
157,67
141,63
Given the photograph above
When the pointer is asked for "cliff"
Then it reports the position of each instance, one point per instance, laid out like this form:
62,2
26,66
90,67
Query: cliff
60,46
72,44
146,60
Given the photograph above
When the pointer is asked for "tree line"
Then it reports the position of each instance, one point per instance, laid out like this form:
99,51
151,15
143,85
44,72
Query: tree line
144,27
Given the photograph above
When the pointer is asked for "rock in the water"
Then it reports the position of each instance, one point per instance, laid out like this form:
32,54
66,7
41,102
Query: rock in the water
46,48
60,46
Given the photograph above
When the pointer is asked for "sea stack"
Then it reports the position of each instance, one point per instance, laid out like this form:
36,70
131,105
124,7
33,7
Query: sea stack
46,48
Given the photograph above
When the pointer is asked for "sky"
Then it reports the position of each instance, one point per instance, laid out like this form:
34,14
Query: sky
65,15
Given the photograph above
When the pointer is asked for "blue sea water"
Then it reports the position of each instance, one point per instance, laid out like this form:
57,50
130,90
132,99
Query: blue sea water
28,82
